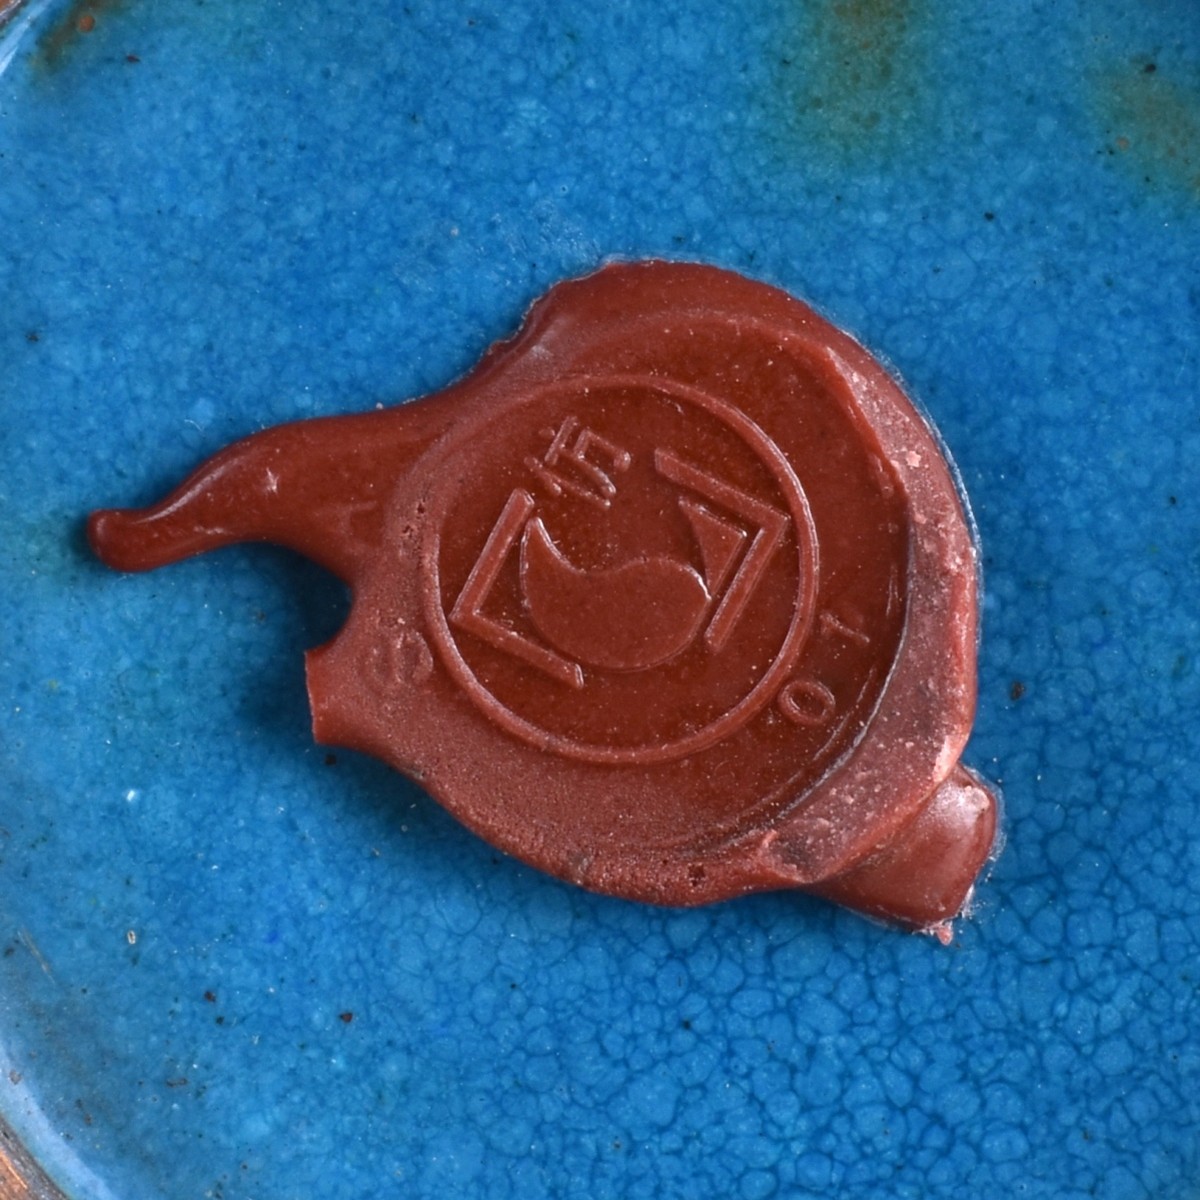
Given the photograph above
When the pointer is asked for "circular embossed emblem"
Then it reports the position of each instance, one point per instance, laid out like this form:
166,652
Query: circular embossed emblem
643,580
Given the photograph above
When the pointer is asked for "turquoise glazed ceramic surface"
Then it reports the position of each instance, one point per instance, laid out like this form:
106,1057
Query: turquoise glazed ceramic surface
237,965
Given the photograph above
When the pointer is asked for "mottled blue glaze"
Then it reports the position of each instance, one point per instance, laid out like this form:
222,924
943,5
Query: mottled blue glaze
234,966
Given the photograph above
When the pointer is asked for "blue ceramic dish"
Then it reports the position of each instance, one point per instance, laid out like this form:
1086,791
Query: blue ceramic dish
235,965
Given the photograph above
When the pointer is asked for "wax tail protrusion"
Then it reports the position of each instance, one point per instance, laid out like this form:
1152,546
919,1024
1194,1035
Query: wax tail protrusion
318,487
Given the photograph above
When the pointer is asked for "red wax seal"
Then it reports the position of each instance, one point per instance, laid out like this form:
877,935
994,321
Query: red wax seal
673,597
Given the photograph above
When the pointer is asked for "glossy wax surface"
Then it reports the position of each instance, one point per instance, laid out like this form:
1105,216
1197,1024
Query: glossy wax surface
672,596
241,967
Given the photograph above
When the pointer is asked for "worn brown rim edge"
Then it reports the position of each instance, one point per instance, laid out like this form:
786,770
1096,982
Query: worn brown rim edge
20,1176
8,10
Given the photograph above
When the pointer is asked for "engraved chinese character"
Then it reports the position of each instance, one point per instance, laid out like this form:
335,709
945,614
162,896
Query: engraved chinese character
581,462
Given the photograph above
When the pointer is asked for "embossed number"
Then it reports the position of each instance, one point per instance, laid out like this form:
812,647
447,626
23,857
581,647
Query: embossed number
830,624
807,702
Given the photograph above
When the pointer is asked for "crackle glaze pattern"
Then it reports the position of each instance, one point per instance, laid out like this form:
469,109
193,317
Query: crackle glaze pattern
236,964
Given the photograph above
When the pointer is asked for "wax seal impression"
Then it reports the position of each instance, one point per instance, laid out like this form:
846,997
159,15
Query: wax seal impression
673,597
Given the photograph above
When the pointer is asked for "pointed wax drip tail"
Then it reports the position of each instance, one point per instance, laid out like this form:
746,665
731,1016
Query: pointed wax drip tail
319,487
